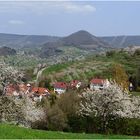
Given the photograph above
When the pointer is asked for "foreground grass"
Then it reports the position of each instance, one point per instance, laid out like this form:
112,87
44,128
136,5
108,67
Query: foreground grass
14,132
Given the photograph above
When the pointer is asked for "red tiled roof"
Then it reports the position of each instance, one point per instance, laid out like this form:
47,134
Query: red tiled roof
22,87
60,85
40,90
97,81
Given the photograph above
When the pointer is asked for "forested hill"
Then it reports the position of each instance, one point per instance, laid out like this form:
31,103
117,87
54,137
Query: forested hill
19,41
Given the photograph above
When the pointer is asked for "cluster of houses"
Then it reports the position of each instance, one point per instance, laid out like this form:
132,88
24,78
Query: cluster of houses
20,90
61,87
37,93
95,84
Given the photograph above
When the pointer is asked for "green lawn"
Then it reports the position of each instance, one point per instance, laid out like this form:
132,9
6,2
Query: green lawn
14,132
57,68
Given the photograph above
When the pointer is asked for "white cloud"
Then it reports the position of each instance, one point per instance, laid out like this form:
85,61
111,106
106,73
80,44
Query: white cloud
72,7
16,22
41,7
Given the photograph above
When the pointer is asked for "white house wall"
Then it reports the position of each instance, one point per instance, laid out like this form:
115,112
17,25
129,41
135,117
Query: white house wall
59,90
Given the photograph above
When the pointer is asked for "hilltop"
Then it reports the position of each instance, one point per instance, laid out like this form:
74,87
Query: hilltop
81,40
84,40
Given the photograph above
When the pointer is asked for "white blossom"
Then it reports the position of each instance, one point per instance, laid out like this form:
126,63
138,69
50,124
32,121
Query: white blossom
9,74
111,101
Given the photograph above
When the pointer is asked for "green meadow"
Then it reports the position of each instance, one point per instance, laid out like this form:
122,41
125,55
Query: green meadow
15,132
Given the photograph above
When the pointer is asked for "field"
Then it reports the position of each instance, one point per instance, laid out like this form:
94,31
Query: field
14,132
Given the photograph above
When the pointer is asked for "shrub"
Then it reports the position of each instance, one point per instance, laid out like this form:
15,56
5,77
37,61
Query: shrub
56,119
137,52
40,124
110,53
68,102
125,126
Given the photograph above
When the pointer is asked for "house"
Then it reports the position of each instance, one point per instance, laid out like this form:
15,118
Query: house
99,84
60,87
37,93
40,91
75,84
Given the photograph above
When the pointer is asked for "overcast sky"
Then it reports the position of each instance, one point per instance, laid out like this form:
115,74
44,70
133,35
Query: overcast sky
63,18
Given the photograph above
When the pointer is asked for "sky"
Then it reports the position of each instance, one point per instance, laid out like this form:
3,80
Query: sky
61,18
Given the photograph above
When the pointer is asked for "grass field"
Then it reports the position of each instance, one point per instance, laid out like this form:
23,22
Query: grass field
14,132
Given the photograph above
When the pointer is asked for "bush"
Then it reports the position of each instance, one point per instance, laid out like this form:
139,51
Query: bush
77,124
125,126
56,119
68,102
42,125
110,53
137,52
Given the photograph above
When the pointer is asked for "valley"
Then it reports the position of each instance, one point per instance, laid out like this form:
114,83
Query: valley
43,85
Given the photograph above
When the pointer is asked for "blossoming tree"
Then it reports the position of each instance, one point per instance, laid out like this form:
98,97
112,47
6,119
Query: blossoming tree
109,104
8,74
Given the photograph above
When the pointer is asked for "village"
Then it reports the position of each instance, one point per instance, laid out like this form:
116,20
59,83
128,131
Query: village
37,93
